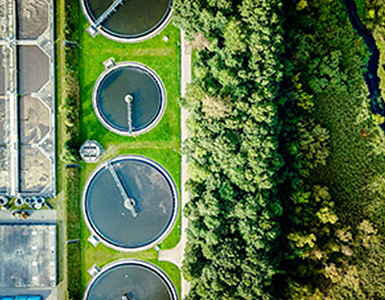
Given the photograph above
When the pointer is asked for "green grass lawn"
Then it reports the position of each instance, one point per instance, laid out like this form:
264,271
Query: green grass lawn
161,144
60,202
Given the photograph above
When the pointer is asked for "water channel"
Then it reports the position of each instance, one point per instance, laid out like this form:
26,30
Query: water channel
371,77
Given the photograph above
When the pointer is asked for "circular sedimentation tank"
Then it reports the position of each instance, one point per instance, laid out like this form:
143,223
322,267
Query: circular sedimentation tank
127,20
131,279
130,203
129,98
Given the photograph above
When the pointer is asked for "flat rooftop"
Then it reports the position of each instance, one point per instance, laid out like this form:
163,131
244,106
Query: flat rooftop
27,256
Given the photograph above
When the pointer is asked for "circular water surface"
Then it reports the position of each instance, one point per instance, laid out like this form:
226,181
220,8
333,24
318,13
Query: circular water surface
138,217
132,20
129,99
133,279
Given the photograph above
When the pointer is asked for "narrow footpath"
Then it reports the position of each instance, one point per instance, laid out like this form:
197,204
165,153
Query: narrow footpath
175,255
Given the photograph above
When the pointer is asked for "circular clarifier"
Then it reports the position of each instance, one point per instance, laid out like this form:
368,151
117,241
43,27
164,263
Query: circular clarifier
129,98
131,279
130,203
127,20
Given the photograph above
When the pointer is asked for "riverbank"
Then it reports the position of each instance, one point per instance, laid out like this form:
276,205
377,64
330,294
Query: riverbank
333,76
372,15
371,75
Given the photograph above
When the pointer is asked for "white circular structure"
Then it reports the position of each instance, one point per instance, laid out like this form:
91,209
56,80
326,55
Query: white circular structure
130,279
91,151
130,203
129,98
127,21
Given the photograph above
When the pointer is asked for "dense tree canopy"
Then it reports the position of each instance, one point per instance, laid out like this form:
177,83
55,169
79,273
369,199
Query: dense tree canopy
263,221
232,152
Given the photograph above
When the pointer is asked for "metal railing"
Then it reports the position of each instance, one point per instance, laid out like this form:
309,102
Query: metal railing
129,203
93,28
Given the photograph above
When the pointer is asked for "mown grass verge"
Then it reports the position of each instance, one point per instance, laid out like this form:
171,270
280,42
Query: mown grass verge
161,144
67,126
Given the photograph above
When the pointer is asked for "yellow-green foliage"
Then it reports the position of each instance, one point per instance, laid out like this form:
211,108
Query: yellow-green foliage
336,239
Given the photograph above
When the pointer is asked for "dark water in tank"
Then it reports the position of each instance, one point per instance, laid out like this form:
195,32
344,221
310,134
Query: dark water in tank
133,18
154,203
136,82
139,282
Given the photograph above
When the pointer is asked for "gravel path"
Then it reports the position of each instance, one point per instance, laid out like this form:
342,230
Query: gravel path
175,255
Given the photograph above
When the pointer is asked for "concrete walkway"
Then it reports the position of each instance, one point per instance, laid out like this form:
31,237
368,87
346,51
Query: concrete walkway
175,255
36,217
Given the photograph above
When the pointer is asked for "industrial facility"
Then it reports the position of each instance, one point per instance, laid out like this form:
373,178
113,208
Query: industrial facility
27,105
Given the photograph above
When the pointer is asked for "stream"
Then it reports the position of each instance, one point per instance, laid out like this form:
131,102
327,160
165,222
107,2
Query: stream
371,77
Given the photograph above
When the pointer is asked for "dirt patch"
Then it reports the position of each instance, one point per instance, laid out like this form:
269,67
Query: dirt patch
32,17
2,72
3,121
3,170
2,13
35,120
33,69
35,170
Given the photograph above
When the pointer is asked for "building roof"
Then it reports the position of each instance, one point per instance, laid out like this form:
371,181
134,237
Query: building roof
27,256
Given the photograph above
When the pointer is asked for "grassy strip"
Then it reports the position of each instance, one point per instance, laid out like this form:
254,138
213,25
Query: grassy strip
73,233
161,144
59,92
67,127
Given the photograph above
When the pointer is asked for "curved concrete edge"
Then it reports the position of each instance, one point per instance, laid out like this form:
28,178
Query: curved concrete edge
155,31
99,272
107,243
175,255
148,71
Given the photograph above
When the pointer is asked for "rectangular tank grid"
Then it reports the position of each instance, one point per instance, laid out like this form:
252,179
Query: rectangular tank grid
27,106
